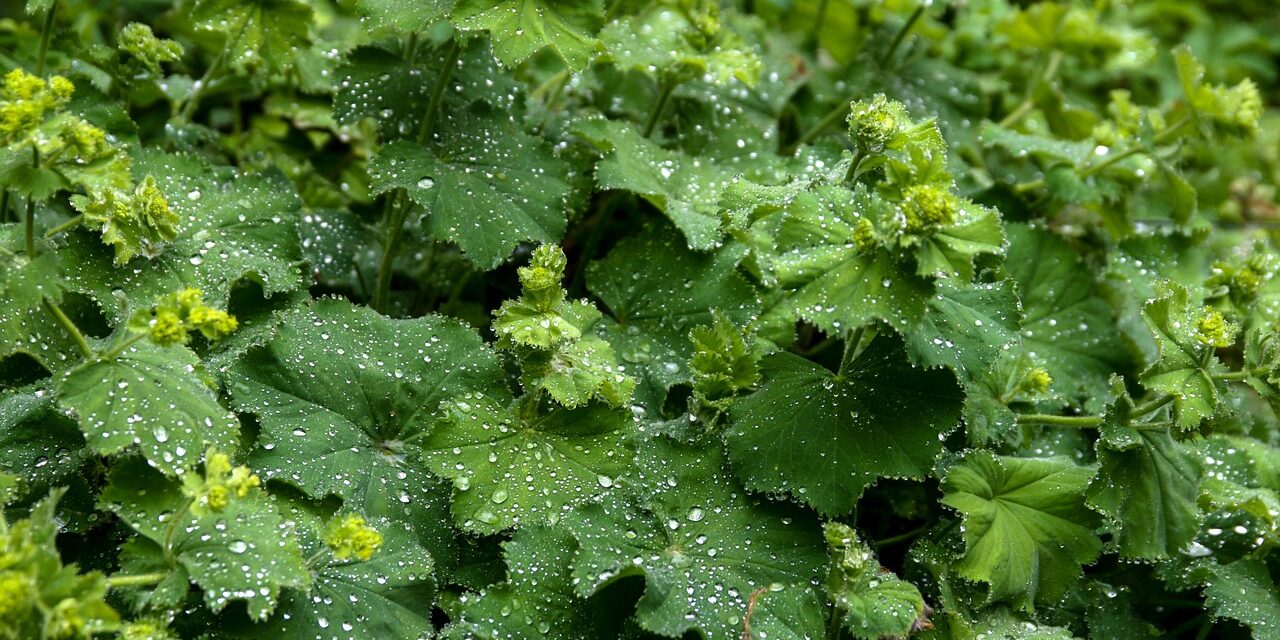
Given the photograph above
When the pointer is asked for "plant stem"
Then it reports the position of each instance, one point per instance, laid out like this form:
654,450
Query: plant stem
69,224
833,631
1075,422
1160,138
437,91
902,536
189,107
1239,375
851,341
817,23
139,580
1150,405
841,109
46,31
119,348
4,205
1028,103
398,203
902,33
664,95
29,228
68,326
816,130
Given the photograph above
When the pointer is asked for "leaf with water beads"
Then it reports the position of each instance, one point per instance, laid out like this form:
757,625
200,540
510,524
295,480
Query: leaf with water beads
343,396
245,551
536,602
1068,327
1245,591
1027,529
409,16
38,444
966,326
838,279
823,436
486,186
263,34
25,326
654,309
150,397
390,595
509,471
396,93
685,188
231,229
520,28
703,546
1187,362
1146,486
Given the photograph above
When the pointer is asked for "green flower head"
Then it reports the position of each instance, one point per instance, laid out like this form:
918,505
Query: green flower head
351,537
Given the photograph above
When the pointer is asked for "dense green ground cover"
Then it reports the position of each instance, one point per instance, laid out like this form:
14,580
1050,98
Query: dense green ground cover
579,319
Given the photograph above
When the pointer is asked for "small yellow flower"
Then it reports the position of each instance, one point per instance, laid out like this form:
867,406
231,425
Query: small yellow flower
928,206
1214,330
1038,380
350,536
168,329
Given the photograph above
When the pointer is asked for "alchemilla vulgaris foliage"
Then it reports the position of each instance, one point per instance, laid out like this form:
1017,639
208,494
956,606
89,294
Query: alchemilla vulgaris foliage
639,319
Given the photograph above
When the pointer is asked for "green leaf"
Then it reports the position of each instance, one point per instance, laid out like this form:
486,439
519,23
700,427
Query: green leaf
1146,487
25,326
231,229
840,283
725,361
823,437
1244,591
702,545
43,596
1027,530
950,250
680,43
408,16
873,602
349,423
537,600
396,93
686,189
486,186
38,444
1067,326
521,27
243,552
654,309
153,398
509,471
386,596
1186,365
966,326
260,34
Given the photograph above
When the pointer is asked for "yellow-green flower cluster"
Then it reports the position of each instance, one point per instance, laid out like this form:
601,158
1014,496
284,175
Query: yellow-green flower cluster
147,630
351,537
1213,329
25,102
928,206
138,41
541,279
134,223
176,315
876,125
220,484
1037,381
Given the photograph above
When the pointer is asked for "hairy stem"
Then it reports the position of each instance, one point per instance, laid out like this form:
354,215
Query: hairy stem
1074,422
1150,405
29,228
68,326
139,580
1028,103
664,96
66,226
902,33
115,351
46,32
437,91
189,107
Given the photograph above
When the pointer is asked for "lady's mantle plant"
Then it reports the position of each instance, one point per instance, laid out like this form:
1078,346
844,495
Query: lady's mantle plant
725,319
